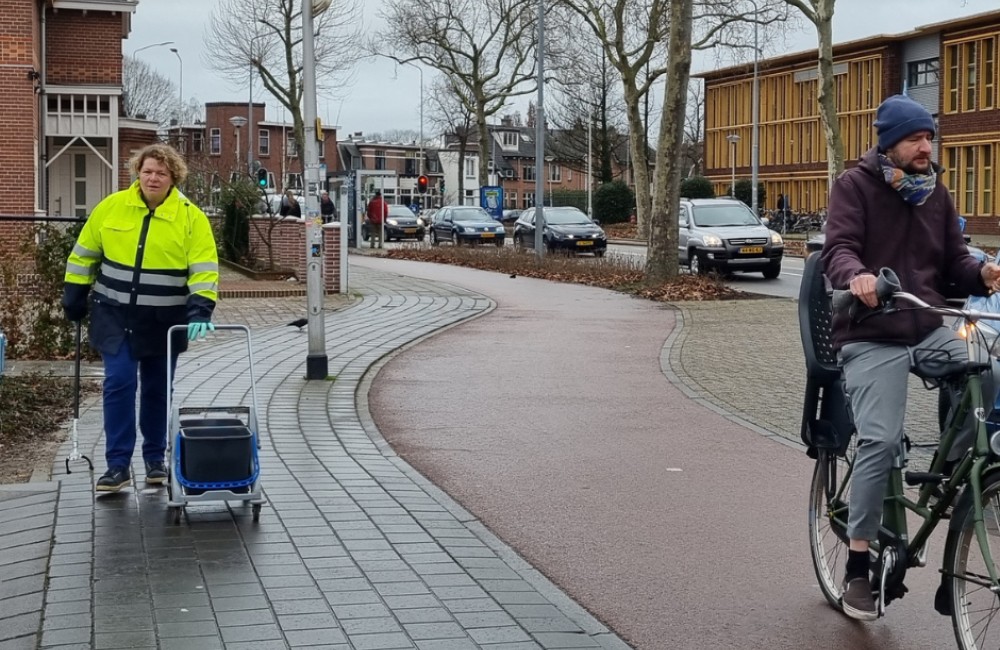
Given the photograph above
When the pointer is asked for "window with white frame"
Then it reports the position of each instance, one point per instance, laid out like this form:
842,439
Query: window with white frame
470,167
264,142
379,159
290,149
197,142
215,141
529,199
293,181
528,173
509,139
555,172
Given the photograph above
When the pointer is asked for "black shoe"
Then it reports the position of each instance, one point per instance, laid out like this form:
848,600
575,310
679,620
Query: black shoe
857,601
114,480
156,473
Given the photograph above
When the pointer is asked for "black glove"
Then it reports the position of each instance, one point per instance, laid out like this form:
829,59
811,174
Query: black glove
74,301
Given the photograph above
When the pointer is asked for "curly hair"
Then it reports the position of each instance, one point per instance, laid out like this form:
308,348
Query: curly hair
164,154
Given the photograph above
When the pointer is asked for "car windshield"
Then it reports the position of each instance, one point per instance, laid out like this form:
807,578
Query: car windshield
724,215
470,214
565,217
400,211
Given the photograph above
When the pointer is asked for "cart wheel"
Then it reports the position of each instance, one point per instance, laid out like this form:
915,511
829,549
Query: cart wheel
255,510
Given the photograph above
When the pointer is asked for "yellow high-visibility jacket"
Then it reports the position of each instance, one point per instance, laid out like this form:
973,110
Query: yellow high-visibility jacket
148,271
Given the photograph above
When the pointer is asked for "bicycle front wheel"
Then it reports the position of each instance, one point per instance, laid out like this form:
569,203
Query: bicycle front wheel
974,605
829,496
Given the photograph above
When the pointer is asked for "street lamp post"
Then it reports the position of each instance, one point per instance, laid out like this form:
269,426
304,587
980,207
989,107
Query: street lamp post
146,47
180,78
540,136
733,140
755,114
238,121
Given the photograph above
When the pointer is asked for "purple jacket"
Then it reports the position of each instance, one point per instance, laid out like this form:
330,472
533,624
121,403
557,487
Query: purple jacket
870,226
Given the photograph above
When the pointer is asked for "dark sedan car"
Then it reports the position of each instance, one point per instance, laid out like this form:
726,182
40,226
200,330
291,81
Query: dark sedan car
465,224
400,224
566,229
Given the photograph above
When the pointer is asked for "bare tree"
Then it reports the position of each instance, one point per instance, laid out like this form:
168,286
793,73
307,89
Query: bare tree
454,119
820,14
484,49
586,93
694,129
146,92
395,135
265,37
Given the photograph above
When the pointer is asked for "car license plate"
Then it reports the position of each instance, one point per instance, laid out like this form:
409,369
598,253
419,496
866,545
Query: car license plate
749,250
409,231
487,234
584,242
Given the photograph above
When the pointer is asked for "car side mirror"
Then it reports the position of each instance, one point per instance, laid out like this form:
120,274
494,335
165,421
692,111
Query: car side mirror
597,222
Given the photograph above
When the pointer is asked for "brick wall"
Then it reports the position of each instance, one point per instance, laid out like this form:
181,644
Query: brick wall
84,47
289,241
18,129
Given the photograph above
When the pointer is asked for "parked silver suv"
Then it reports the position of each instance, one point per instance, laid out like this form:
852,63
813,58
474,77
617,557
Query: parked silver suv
725,235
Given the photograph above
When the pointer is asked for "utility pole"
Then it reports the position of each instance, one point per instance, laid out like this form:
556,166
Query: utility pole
540,137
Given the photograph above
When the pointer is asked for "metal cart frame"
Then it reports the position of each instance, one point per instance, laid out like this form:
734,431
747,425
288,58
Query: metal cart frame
181,491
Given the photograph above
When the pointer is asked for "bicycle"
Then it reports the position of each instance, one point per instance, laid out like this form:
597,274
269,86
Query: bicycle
968,495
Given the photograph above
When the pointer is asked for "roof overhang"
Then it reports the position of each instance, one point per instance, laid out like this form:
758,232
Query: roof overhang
125,7
133,123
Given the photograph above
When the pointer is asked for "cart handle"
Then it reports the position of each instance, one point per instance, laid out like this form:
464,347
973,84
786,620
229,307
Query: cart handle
223,327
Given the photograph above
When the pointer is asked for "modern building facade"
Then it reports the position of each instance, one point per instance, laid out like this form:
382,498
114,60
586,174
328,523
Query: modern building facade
950,67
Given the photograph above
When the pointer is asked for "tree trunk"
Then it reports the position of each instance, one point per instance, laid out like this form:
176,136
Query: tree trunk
463,144
661,258
826,90
640,161
484,145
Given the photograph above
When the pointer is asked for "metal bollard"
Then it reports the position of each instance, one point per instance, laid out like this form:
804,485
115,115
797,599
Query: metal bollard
3,352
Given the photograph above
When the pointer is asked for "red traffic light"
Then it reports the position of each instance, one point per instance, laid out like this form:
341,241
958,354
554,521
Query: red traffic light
422,184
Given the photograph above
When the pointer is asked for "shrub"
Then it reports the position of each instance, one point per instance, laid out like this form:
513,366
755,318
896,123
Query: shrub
613,202
697,187
31,304
572,198
744,192
237,202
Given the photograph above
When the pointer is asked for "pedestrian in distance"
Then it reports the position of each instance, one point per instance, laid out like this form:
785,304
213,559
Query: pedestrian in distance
290,206
327,208
892,210
145,261
377,212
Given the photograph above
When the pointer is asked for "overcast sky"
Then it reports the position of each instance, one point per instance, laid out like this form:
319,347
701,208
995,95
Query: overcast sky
385,98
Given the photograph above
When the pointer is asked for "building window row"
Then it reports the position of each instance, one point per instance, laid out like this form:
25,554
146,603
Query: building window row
970,69
971,178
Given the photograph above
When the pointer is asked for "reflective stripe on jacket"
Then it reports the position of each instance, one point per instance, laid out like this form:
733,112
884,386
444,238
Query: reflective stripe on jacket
149,270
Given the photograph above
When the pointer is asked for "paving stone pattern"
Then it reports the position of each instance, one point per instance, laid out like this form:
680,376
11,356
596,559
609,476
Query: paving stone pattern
353,550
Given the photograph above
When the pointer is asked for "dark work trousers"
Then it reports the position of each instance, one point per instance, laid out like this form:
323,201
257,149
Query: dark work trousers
122,375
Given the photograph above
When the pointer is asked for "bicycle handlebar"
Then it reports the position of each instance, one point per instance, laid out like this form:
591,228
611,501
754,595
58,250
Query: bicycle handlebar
887,285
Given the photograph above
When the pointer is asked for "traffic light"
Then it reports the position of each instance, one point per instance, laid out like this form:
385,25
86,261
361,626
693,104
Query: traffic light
422,184
441,186
262,178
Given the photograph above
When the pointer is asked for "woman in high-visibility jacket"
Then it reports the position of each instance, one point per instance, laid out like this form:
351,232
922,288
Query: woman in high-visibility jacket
149,255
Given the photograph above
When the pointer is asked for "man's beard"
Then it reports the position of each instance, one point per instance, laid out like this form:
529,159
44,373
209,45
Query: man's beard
910,167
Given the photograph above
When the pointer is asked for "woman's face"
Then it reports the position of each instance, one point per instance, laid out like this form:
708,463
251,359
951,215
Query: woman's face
155,180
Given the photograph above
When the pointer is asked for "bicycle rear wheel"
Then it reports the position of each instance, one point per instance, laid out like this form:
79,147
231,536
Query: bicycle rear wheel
975,607
829,496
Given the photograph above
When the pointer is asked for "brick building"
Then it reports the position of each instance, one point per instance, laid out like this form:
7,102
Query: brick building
400,162
949,67
217,149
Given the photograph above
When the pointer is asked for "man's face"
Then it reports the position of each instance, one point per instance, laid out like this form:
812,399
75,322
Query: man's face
912,154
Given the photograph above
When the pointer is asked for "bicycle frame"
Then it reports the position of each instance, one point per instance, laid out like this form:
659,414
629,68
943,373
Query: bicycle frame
970,470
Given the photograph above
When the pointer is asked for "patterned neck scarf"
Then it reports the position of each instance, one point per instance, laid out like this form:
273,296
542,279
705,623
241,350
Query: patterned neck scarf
914,188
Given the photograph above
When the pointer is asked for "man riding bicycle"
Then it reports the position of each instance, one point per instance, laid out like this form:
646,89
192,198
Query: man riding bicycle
892,210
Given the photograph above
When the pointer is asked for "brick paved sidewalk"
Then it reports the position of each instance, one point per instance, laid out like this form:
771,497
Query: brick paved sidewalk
353,550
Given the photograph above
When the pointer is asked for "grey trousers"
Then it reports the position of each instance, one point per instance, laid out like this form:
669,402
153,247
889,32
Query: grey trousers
875,378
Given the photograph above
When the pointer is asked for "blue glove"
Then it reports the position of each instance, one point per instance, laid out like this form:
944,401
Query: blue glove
199,330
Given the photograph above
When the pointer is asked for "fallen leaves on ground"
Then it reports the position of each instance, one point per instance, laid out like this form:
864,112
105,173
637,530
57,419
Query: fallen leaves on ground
611,272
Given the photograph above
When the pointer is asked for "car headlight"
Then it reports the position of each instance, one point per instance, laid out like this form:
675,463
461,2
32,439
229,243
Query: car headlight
776,238
556,234
499,228
392,222
712,241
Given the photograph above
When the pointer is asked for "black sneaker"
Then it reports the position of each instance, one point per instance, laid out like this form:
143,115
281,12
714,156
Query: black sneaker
857,600
114,480
156,473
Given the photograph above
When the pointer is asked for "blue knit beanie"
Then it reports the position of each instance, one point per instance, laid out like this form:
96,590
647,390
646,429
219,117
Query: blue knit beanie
899,116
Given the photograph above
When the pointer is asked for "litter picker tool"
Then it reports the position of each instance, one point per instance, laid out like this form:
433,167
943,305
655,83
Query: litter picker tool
74,454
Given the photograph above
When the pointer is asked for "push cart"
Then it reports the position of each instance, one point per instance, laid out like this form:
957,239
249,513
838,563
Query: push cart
212,451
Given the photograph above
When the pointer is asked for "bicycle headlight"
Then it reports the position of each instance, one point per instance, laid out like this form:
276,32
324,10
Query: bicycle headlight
995,442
